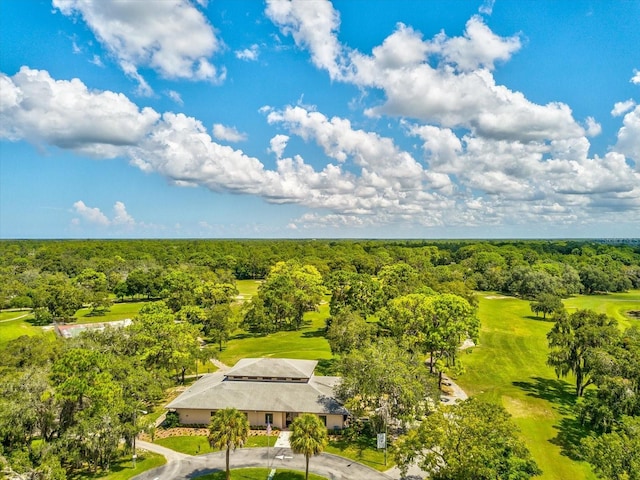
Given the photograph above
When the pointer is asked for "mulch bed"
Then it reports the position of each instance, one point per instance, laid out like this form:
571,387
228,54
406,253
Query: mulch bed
192,431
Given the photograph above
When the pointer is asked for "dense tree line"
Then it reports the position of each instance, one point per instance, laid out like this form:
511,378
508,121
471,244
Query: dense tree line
81,397
51,274
598,354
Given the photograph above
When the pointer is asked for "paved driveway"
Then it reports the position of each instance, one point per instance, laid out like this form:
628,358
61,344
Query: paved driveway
325,464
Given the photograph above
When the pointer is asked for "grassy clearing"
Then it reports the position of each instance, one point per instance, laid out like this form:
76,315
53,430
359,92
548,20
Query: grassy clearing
12,329
306,343
118,311
509,367
14,324
123,468
260,474
248,288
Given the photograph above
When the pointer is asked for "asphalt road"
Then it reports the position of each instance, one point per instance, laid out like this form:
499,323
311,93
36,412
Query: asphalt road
325,464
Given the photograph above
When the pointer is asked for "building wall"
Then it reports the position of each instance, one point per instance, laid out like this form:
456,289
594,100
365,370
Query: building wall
258,419
203,417
194,416
335,422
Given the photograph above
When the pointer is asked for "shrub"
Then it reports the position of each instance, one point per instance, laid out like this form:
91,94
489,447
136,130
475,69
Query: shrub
171,420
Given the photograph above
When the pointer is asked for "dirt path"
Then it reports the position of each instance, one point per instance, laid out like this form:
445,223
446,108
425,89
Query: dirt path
456,394
170,455
222,367
15,318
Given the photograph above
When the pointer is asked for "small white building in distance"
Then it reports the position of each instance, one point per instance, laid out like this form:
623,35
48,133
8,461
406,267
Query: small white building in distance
267,390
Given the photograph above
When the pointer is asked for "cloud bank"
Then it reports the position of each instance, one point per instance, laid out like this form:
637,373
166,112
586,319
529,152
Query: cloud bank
486,155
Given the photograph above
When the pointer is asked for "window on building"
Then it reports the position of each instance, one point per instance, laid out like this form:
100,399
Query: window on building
324,419
268,418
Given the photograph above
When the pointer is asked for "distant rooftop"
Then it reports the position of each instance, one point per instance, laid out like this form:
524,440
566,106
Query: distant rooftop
273,367
73,330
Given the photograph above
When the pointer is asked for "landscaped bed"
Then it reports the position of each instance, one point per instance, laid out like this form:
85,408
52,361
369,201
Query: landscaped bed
260,474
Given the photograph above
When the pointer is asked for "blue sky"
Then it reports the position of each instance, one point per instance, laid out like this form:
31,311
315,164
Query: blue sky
310,118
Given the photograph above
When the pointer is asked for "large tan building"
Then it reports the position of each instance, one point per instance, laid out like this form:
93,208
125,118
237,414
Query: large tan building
267,390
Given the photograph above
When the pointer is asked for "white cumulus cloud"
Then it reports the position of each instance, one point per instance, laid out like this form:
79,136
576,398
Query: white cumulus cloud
94,216
312,25
90,214
121,216
65,113
478,47
621,108
228,134
277,144
248,54
629,136
140,36
593,128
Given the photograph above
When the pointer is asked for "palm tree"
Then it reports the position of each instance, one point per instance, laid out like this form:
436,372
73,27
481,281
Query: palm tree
228,429
308,436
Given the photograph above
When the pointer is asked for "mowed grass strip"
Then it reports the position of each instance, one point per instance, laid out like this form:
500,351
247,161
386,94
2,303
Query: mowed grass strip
509,367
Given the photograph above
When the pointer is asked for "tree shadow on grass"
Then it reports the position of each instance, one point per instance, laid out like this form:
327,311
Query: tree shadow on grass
570,434
557,392
242,336
320,332
549,319
561,395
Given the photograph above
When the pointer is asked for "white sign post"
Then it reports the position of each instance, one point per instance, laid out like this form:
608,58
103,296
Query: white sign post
382,443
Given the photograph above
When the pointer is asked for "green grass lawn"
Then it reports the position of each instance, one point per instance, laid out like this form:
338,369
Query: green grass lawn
191,445
367,455
14,324
260,474
123,468
198,444
118,311
307,343
12,329
509,367
248,288
14,314
615,305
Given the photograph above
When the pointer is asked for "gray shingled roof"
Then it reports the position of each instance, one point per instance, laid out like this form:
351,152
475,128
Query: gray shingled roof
273,367
214,392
